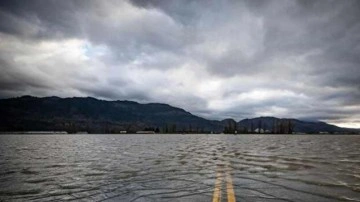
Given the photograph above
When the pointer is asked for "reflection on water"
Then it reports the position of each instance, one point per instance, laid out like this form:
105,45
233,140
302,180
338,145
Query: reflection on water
178,167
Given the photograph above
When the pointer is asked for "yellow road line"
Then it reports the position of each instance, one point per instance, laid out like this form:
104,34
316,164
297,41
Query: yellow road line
230,188
220,175
217,190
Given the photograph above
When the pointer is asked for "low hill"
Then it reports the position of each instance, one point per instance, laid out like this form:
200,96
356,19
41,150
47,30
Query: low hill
298,126
88,114
29,113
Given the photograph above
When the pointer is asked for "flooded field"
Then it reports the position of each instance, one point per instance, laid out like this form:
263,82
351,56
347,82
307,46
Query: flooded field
179,168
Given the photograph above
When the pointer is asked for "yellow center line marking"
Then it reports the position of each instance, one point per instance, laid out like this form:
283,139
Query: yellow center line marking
220,175
217,190
230,188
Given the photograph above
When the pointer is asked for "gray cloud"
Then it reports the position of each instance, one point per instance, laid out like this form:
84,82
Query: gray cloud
217,59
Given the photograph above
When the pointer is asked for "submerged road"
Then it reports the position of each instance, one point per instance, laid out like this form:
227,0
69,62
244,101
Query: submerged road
190,168
223,175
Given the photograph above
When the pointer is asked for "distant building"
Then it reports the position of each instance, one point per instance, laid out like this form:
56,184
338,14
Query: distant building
145,132
257,130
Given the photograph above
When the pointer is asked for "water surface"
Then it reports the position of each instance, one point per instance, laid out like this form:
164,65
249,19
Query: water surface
178,167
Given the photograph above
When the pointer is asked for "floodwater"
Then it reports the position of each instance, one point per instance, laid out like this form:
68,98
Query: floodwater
179,167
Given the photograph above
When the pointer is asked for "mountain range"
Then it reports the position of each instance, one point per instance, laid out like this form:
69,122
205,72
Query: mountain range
87,114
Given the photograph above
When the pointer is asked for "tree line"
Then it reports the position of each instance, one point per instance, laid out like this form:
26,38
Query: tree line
283,126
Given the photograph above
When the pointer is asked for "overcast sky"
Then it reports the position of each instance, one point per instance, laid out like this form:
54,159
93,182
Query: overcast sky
216,59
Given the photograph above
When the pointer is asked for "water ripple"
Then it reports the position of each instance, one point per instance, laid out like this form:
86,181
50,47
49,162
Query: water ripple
178,168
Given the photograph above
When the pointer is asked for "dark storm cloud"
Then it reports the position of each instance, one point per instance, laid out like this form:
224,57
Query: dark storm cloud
217,59
39,19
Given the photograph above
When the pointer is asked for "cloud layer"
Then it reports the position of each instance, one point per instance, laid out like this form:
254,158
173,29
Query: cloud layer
217,59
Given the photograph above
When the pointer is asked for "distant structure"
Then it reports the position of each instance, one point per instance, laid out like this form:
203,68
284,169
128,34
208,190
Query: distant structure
145,132
259,130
